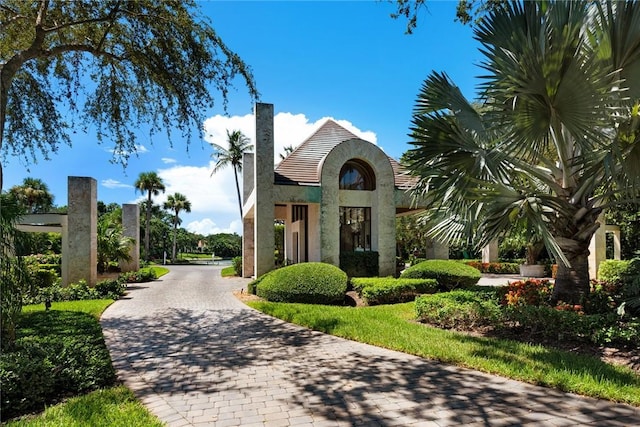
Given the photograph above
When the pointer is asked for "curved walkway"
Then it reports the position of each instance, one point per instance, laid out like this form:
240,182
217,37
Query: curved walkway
195,355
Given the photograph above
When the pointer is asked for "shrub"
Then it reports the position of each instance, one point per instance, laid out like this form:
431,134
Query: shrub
631,289
554,323
360,264
449,274
526,292
112,289
236,262
612,270
459,309
388,290
146,274
312,282
495,267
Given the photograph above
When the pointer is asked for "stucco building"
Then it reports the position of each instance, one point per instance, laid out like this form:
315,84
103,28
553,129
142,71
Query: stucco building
335,192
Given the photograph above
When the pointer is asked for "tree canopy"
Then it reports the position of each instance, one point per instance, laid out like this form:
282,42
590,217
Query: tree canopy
112,64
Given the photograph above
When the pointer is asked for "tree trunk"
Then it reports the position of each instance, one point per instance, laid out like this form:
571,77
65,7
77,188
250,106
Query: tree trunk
235,173
175,232
572,283
146,229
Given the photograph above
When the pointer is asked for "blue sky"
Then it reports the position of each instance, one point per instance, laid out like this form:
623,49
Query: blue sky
346,60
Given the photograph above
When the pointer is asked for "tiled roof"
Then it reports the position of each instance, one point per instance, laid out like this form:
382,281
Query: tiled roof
301,166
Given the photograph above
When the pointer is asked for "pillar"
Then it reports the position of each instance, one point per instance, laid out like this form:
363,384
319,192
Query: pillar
131,228
490,252
82,241
264,237
597,249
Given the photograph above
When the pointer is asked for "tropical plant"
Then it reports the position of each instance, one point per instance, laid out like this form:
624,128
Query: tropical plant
112,244
238,144
152,184
33,196
177,203
130,62
556,141
13,273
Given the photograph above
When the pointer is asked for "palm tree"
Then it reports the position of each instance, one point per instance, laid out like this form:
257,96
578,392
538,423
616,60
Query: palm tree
112,245
238,145
176,202
153,185
557,139
33,196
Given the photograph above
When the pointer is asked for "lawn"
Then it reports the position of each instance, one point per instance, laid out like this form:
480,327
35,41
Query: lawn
393,327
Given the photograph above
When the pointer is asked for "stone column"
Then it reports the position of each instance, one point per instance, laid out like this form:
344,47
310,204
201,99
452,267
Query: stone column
264,239
248,247
131,228
82,230
597,249
490,252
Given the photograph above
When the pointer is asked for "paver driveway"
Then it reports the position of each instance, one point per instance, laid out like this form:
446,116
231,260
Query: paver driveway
195,355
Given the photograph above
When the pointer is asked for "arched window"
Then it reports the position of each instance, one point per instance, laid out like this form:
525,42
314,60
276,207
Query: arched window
357,175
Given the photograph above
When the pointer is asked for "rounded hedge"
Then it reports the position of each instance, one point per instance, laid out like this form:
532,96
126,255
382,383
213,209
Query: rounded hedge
449,274
311,282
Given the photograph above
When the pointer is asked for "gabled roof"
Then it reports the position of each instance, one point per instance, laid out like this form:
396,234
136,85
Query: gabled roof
301,166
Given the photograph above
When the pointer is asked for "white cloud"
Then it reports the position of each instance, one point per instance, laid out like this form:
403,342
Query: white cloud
137,149
168,160
112,183
289,129
207,227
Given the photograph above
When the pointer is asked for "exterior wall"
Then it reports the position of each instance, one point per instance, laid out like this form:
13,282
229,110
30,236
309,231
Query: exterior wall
381,201
82,243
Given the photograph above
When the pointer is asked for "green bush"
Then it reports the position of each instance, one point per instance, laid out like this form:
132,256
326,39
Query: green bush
146,274
612,270
56,354
387,290
360,264
630,279
112,289
459,309
236,262
495,267
312,282
449,274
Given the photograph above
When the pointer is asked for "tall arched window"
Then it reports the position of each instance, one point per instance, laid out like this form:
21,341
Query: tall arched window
357,175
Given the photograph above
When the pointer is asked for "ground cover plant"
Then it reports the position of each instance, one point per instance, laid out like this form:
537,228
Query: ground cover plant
56,354
388,290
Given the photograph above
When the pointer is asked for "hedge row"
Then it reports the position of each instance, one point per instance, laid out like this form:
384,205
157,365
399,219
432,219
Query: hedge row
495,267
387,290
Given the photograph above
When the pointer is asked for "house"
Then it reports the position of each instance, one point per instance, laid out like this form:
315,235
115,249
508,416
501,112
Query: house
335,193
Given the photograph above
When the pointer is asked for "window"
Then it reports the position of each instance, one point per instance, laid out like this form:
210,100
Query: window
357,175
355,229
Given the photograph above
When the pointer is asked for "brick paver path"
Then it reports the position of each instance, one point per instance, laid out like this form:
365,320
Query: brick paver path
195,355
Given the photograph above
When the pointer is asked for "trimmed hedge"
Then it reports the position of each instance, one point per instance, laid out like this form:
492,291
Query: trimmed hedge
360,264
387,290
449,274
311,283
495,267
612,270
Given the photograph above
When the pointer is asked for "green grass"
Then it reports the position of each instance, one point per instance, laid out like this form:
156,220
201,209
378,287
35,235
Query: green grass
115,406
228,271
94,307
393,327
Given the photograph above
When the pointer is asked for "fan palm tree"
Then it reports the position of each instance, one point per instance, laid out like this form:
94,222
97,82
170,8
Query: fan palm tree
152,184
556,141
33,196
238,145
176,202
